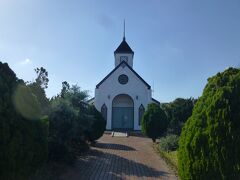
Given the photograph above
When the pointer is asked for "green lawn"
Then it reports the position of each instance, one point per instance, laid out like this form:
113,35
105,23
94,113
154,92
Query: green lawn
172,157
169,157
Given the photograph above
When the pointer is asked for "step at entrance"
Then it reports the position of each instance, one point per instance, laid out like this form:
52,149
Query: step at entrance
119,134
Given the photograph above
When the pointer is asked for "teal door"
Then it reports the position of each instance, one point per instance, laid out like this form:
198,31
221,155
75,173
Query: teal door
122,118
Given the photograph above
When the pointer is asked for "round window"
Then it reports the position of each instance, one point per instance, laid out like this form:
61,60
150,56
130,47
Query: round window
123,79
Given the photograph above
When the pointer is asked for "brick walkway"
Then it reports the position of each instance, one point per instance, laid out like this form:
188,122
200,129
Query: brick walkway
120,158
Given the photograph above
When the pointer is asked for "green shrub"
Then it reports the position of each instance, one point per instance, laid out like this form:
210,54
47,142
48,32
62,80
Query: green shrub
23,135
209,143
62,130
177,113
154,122
72,124
97,124
169,143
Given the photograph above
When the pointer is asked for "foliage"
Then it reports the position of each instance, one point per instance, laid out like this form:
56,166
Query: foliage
62,129
177,113
65,89
209,143
91,121
72,123
154,122
42,77
74,94
38,88
97,124
27,137
23,134
170,157
169,143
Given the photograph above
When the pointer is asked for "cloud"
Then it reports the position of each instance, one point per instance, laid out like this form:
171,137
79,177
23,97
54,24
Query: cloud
105,21
25,62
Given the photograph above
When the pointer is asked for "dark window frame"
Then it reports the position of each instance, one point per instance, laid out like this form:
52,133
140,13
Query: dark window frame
123,58
123,79
104,111
141,111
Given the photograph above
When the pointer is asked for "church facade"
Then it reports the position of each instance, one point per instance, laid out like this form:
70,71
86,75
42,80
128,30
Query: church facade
123,95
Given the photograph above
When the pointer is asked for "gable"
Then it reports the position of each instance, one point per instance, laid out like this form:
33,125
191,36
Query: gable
123,63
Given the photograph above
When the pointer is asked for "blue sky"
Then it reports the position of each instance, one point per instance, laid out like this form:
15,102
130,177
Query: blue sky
177,44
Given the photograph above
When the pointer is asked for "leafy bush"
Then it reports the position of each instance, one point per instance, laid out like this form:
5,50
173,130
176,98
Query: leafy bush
23,134
62,129
154,122
169,143
68,127
82,122
209,143
177,113
97,124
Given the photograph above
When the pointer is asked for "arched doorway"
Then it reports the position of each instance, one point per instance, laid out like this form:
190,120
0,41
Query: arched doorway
122,112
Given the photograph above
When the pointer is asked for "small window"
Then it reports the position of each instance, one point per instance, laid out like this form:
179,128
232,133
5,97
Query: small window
140,114
104,111
123,79
123,58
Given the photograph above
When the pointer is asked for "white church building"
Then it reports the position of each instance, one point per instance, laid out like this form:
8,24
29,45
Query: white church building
123,95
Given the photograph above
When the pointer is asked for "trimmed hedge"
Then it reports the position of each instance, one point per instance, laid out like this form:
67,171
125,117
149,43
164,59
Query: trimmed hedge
154,122
209,143
97,124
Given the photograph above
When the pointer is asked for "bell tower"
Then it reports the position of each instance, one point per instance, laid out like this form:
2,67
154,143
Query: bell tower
124,52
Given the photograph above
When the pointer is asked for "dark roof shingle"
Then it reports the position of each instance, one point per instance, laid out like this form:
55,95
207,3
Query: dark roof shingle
123,48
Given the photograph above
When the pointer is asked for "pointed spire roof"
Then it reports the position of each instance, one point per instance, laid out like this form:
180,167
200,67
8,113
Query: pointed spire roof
124,47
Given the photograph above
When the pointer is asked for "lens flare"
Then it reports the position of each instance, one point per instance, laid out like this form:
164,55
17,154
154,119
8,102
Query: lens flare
26,103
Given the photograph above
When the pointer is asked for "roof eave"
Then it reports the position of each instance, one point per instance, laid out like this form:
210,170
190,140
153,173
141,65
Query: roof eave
125,52
148,86
156,101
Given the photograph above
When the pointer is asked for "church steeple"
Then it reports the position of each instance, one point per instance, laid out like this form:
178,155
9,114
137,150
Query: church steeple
124,52
123,47
124,31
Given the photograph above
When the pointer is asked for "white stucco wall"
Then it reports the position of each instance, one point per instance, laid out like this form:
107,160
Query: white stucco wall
110,88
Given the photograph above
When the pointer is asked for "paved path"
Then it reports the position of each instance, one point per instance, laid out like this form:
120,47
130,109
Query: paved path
120,158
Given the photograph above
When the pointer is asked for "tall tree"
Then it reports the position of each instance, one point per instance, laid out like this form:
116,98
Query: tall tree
178,112
38,88
42,77
65,89
75,96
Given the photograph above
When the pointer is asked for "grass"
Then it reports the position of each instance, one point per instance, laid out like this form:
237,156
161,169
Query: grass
170,157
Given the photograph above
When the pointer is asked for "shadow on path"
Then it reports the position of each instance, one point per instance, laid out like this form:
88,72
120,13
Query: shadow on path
114,146
103,165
